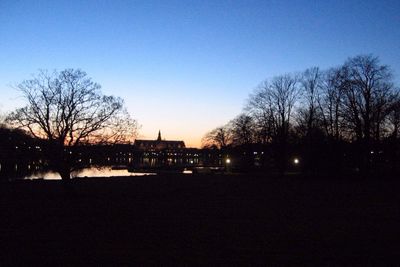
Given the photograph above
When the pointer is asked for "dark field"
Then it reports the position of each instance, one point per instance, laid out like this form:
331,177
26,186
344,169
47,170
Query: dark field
208,220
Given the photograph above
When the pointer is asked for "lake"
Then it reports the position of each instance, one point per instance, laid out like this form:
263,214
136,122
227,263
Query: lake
88,172
28,172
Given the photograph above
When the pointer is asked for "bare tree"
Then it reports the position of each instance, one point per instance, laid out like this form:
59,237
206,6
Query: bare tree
309,115
261,109
368,92
284,94
394,127
68,109
368,89
220,137
330,103
354,105
243,130
273,103
272,108
394,117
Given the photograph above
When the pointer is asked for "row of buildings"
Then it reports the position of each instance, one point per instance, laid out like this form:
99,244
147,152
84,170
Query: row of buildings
147,154
21,155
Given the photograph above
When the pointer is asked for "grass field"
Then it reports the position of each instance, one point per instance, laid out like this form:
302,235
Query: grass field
201,219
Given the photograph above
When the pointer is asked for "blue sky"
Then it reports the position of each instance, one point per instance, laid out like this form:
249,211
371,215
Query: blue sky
186,67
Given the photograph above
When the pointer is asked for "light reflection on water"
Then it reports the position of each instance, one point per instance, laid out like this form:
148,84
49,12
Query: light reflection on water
88,172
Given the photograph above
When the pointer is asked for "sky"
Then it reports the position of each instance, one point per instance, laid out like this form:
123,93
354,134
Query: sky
186,67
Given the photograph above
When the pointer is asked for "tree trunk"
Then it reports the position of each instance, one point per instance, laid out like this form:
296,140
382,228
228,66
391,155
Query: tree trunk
65,174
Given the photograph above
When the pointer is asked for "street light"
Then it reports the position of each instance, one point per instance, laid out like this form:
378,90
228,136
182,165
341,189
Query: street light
227,164
296,161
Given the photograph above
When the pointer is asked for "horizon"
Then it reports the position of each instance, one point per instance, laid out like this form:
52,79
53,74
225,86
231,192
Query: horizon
187,68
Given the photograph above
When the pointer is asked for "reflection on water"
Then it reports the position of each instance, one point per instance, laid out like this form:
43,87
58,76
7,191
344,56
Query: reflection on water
48,175
89,172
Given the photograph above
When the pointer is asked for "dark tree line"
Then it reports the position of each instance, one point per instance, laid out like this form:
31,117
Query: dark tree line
344,116
19,153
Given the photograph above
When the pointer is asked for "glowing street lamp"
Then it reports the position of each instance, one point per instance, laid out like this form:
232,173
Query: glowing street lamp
296,161
227,164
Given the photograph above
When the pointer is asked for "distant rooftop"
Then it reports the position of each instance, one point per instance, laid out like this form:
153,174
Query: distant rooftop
159,144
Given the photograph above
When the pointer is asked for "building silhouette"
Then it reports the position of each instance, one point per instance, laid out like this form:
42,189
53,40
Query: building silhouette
170,154
158,144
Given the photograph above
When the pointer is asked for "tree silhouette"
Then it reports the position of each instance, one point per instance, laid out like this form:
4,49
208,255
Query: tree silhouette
68,109
273,106
220,137
335,119
368,96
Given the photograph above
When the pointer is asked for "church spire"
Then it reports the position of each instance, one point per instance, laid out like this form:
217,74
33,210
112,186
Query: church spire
159,136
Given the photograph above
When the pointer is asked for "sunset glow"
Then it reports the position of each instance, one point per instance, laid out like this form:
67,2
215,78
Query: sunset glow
186,69
199,132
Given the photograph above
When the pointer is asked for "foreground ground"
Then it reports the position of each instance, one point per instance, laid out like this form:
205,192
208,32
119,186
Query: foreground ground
208,220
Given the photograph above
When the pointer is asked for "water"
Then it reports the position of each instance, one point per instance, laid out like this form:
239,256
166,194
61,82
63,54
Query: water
87,173
16,171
